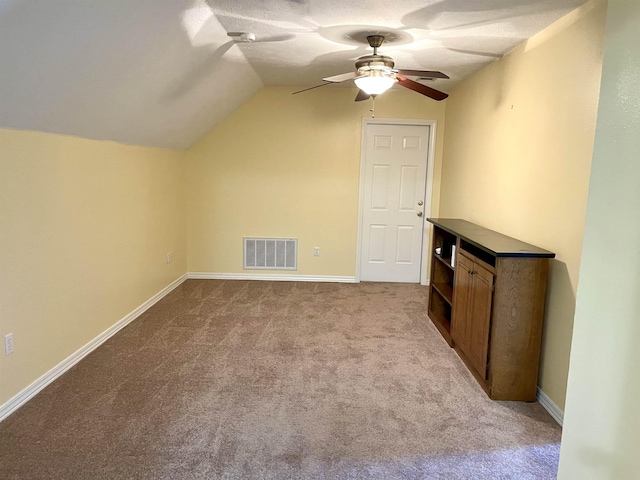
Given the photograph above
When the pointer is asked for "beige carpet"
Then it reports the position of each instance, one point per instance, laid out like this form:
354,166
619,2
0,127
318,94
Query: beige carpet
237,379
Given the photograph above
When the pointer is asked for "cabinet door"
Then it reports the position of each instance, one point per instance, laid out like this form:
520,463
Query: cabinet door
473,294
460,328
480,318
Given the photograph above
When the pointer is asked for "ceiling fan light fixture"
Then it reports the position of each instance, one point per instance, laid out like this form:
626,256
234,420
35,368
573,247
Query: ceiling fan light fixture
375,82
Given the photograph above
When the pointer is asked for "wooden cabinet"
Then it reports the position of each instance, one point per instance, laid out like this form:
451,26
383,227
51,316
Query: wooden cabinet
490,306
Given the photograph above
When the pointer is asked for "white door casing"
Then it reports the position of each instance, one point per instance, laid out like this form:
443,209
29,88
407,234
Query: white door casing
393,180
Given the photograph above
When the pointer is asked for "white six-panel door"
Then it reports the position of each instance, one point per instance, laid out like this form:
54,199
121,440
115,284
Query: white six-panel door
393,202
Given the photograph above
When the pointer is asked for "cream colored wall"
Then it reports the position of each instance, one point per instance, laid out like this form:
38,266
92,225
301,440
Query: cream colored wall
288,165
517,158
601,436
84,231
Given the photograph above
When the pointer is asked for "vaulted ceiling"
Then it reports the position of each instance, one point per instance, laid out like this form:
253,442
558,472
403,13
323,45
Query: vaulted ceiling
164,72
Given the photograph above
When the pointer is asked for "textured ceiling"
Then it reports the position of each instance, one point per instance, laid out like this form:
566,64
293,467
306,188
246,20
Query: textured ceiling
164,72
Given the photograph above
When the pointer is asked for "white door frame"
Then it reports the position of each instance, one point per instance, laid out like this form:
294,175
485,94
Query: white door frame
428,190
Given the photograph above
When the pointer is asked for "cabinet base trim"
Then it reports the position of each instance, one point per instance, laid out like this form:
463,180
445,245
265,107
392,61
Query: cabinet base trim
549,406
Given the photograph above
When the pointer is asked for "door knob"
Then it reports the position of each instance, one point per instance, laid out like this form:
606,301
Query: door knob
419,214
419,203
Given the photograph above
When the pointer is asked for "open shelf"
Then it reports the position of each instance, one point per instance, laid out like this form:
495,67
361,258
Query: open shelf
441,282
445,290
445,261
442,324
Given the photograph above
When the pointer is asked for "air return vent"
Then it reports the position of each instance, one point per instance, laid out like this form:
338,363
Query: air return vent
271,253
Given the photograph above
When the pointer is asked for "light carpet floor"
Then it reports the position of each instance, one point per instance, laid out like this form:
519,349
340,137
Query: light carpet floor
240,379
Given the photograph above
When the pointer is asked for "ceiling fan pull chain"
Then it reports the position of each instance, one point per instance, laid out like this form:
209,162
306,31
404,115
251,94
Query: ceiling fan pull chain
373,106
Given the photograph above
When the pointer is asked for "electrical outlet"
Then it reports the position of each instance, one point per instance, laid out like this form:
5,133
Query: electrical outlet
316,251
169,257
8,343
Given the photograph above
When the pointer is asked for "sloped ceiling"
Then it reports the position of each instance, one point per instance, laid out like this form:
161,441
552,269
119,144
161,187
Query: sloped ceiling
164,72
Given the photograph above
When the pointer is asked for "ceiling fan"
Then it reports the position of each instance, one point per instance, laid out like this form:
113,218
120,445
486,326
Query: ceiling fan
375,74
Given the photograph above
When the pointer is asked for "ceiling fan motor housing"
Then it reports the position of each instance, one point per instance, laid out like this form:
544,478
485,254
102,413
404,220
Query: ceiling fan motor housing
374,62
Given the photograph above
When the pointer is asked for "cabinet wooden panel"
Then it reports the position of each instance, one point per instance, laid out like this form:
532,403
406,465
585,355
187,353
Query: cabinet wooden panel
490,306
516,330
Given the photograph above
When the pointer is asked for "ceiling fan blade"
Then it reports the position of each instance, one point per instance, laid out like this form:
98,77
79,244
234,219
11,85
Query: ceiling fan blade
362,95
420,88
311,88
341,78
423,73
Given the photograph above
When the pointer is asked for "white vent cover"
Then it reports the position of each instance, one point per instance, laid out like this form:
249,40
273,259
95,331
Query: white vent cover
270,253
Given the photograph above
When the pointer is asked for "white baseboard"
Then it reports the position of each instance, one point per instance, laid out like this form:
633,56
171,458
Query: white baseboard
273,277
28,393
549,406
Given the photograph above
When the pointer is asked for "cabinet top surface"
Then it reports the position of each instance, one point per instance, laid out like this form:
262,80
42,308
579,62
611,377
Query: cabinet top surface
493,242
